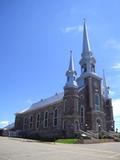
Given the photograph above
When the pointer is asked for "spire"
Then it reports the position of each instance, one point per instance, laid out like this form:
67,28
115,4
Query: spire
71,73
71,65
86,43
87,61
105,88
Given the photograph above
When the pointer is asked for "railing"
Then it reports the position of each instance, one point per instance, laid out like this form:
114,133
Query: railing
94,135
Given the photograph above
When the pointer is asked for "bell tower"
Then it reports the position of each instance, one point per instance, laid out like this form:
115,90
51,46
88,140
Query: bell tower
87,61
70,118
88,79
107,102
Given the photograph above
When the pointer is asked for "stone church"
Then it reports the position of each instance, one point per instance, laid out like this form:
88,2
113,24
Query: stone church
84,105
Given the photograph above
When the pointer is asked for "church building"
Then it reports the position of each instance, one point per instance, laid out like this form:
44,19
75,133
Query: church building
84,105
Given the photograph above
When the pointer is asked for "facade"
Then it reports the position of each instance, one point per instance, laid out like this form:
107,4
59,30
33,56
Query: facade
84,105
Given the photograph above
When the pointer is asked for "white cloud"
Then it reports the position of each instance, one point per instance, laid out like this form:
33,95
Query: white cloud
113,44
116,111
4,123
29,101
116,66
111,92
116,107
117,122
77,28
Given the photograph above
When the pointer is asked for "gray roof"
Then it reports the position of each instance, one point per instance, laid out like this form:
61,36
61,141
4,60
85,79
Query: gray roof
45,102
10,126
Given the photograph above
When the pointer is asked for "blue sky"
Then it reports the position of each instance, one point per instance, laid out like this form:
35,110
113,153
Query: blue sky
35,39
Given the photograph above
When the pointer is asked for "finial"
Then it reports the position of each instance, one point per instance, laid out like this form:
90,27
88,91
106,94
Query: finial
71,51
71,64
103,71
84,20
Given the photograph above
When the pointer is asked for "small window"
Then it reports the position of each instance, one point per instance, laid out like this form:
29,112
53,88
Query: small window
82,115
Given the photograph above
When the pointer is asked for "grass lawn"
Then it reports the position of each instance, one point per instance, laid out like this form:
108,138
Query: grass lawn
67,141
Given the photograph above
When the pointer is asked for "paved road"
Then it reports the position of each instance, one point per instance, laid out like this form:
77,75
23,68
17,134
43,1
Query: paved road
20,149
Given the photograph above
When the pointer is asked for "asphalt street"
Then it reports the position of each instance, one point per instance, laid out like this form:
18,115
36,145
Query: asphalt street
22,149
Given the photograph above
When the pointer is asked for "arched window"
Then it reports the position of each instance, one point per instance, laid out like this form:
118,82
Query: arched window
45,119
76,125
31,122
84,68
97,101
37,121
65,100
55,118
25,123
92,68
63,125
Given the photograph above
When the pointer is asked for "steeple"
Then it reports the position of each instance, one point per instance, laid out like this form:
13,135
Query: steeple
71,73
87,61
86,43
71,64
105,87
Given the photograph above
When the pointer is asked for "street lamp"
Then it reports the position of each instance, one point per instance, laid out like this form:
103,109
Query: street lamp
112,127
99,130
99,126
86,126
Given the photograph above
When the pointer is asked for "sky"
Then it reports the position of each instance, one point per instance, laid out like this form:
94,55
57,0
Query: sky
36,37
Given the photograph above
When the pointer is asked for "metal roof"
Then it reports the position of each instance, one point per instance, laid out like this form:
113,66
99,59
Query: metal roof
45,102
